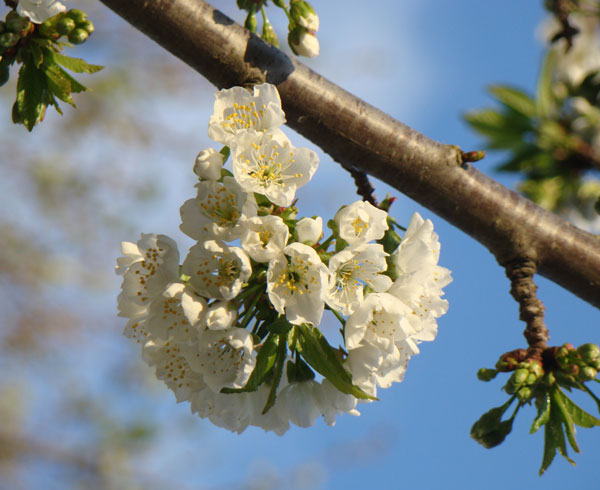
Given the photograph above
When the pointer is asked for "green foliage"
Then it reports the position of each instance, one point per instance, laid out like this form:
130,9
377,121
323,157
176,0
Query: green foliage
549,137
42,76
544,384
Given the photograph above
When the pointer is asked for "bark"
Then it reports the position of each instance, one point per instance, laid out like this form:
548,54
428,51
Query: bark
364,138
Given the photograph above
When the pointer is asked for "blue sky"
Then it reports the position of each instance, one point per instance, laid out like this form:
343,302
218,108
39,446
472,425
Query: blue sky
424,62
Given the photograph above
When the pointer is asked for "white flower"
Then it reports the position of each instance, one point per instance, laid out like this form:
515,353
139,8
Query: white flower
208,164
296,283
225,358
217,210
237,109
221,315
420,280
361,222
39,10
304,15
264,237
136,330
147,268
309,230
304,43
352,269
301,402
380,320
216,269
175,313
372,366
268,164
333,402
172,368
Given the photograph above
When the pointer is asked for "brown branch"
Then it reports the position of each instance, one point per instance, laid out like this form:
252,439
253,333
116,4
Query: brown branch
531,309
362,137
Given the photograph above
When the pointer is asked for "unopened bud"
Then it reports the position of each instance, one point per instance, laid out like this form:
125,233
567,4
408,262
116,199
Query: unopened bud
485,374
65,26
78,36
536,368
531,379
588,373
520,376
309,230
208,164
250,23
77,15
589,352
268,34
524,394
8,39
303,43
304,15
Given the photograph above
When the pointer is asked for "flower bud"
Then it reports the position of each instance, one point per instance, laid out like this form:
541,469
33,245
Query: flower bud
8,39
303,43
208,164
16,23
86,25
524,394
536,368
309,230
304,15
531,379
485,374
220,316
78,36
250,23
268,34
65,26
520,376
279,3
77,15
589,352
588,373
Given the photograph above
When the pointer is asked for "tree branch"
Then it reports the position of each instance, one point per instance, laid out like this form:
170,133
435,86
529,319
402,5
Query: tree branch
366,139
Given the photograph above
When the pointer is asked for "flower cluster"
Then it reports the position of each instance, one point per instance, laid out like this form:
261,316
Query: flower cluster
235,330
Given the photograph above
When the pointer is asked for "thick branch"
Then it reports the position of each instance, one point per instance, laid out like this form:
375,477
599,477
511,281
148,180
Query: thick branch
365,138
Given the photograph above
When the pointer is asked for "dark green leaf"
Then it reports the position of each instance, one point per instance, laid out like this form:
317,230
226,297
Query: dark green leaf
515,99
299,371
280,326
58,83
543,414
29,107
76,65
324,359
277,370
265,360
490,430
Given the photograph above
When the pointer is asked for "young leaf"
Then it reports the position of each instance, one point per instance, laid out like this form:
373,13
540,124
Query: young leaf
58,84
490,430
578,415
543,414
76,65
554,439
323,358
557,398
514,98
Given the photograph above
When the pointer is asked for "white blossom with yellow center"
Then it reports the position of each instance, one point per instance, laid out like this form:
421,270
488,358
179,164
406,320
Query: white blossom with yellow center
264,237
351,270
296,283
225,358
217,210
237,109
361,222
147,267
267,163
39,10
217,270
379,320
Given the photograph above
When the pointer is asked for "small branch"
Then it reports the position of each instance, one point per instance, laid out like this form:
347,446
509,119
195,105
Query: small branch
523,289
562,9
364,188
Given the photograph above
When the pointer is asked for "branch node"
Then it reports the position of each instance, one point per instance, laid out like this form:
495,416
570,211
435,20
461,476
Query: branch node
523,289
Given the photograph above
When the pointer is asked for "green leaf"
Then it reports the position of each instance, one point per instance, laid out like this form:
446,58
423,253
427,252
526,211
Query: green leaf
490,430
280,326
558,399
546,100
515,99
76,65
58,83
543,414
29,108
265,360
578,415
502,130
324,359
277,370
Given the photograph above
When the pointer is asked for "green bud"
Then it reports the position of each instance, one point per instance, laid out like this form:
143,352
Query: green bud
520,376
47,29
485,374
65,26
510,387
250,23
595,364
304,15
589,352
524,394
531,379
8,39
77,15
78,36
268,34
588,373
536,368
279,3
87,26
549,378
15,23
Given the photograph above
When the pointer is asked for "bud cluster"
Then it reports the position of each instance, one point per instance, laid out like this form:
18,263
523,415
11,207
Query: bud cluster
523,381
577,365
13,30
74,24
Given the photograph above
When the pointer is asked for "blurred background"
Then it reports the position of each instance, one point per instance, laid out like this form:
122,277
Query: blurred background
79,409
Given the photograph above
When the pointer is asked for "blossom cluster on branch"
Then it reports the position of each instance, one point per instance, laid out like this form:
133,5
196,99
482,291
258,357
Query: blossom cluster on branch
234,329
